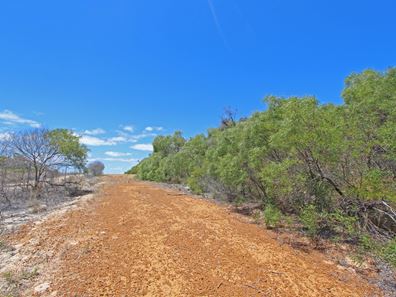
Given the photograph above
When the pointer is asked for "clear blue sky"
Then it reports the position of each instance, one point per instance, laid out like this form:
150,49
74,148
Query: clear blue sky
89,65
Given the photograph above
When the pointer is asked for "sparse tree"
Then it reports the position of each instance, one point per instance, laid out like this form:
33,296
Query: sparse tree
69,146
95,168
46,151
229,118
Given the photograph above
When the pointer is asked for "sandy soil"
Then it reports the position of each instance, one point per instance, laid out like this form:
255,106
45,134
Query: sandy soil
136,239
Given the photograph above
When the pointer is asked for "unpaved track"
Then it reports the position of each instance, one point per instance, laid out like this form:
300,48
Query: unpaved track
140,240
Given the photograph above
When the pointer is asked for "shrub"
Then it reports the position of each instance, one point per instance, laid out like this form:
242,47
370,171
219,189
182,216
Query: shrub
272,216
344,224
388,252
333,165
310,220
95,168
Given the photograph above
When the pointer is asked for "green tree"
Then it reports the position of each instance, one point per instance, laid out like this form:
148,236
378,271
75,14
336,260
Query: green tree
68,145
334,166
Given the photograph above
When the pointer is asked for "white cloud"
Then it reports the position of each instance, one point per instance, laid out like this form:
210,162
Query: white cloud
128,128
97,131
11,118
150,129
143,147
121,160
118,139
95,141
5,136
135,138
92,138
125,137
117,154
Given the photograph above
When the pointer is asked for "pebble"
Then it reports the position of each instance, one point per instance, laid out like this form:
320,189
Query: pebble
42,288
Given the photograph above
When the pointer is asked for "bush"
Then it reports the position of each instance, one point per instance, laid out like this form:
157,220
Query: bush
310,220
272,216
333,165
95,168
388,252
344,224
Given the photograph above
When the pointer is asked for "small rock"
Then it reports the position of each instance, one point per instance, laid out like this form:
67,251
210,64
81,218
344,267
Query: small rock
42,288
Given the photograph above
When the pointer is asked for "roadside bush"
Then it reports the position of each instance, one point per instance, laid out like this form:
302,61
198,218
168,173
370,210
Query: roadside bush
310,219
333,166
343,224
272,216
95,168
388,252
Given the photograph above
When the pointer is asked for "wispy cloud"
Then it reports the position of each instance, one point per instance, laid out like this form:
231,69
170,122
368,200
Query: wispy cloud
132,138
118,139
121,138
217,23
120,160
148,147
128,128
150,129
117,154
97,131
10,118
95,141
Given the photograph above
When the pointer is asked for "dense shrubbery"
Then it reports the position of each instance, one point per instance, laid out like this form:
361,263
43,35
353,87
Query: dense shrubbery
334,166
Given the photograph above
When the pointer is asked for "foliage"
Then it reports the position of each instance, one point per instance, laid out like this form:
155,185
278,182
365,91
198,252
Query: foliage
272,216
69,146
95,168
388,252
334,166
45,151
310,219
39,163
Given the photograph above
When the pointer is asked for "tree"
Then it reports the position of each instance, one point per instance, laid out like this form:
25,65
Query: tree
68,145
338,161
95,168
47,151
166,145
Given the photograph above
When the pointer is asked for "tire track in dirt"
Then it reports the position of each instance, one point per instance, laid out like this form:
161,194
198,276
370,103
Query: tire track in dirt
140,240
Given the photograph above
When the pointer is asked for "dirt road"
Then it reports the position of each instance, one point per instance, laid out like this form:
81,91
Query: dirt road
136,239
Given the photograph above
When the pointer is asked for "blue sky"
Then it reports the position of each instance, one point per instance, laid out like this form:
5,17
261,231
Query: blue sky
121,72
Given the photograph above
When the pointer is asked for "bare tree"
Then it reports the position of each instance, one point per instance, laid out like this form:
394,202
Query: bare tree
229,118
35,147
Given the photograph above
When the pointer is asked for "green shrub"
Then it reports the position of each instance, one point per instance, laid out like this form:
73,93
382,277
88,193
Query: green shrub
388,252
133,170
344,224
368,244
337,159
272,216
310,219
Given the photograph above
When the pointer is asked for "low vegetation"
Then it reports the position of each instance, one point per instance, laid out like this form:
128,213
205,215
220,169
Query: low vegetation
331,166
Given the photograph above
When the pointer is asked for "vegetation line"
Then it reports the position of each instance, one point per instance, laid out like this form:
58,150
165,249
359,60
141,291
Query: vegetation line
331,166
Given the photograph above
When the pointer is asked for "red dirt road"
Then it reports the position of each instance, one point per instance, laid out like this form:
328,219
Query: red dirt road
136,239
